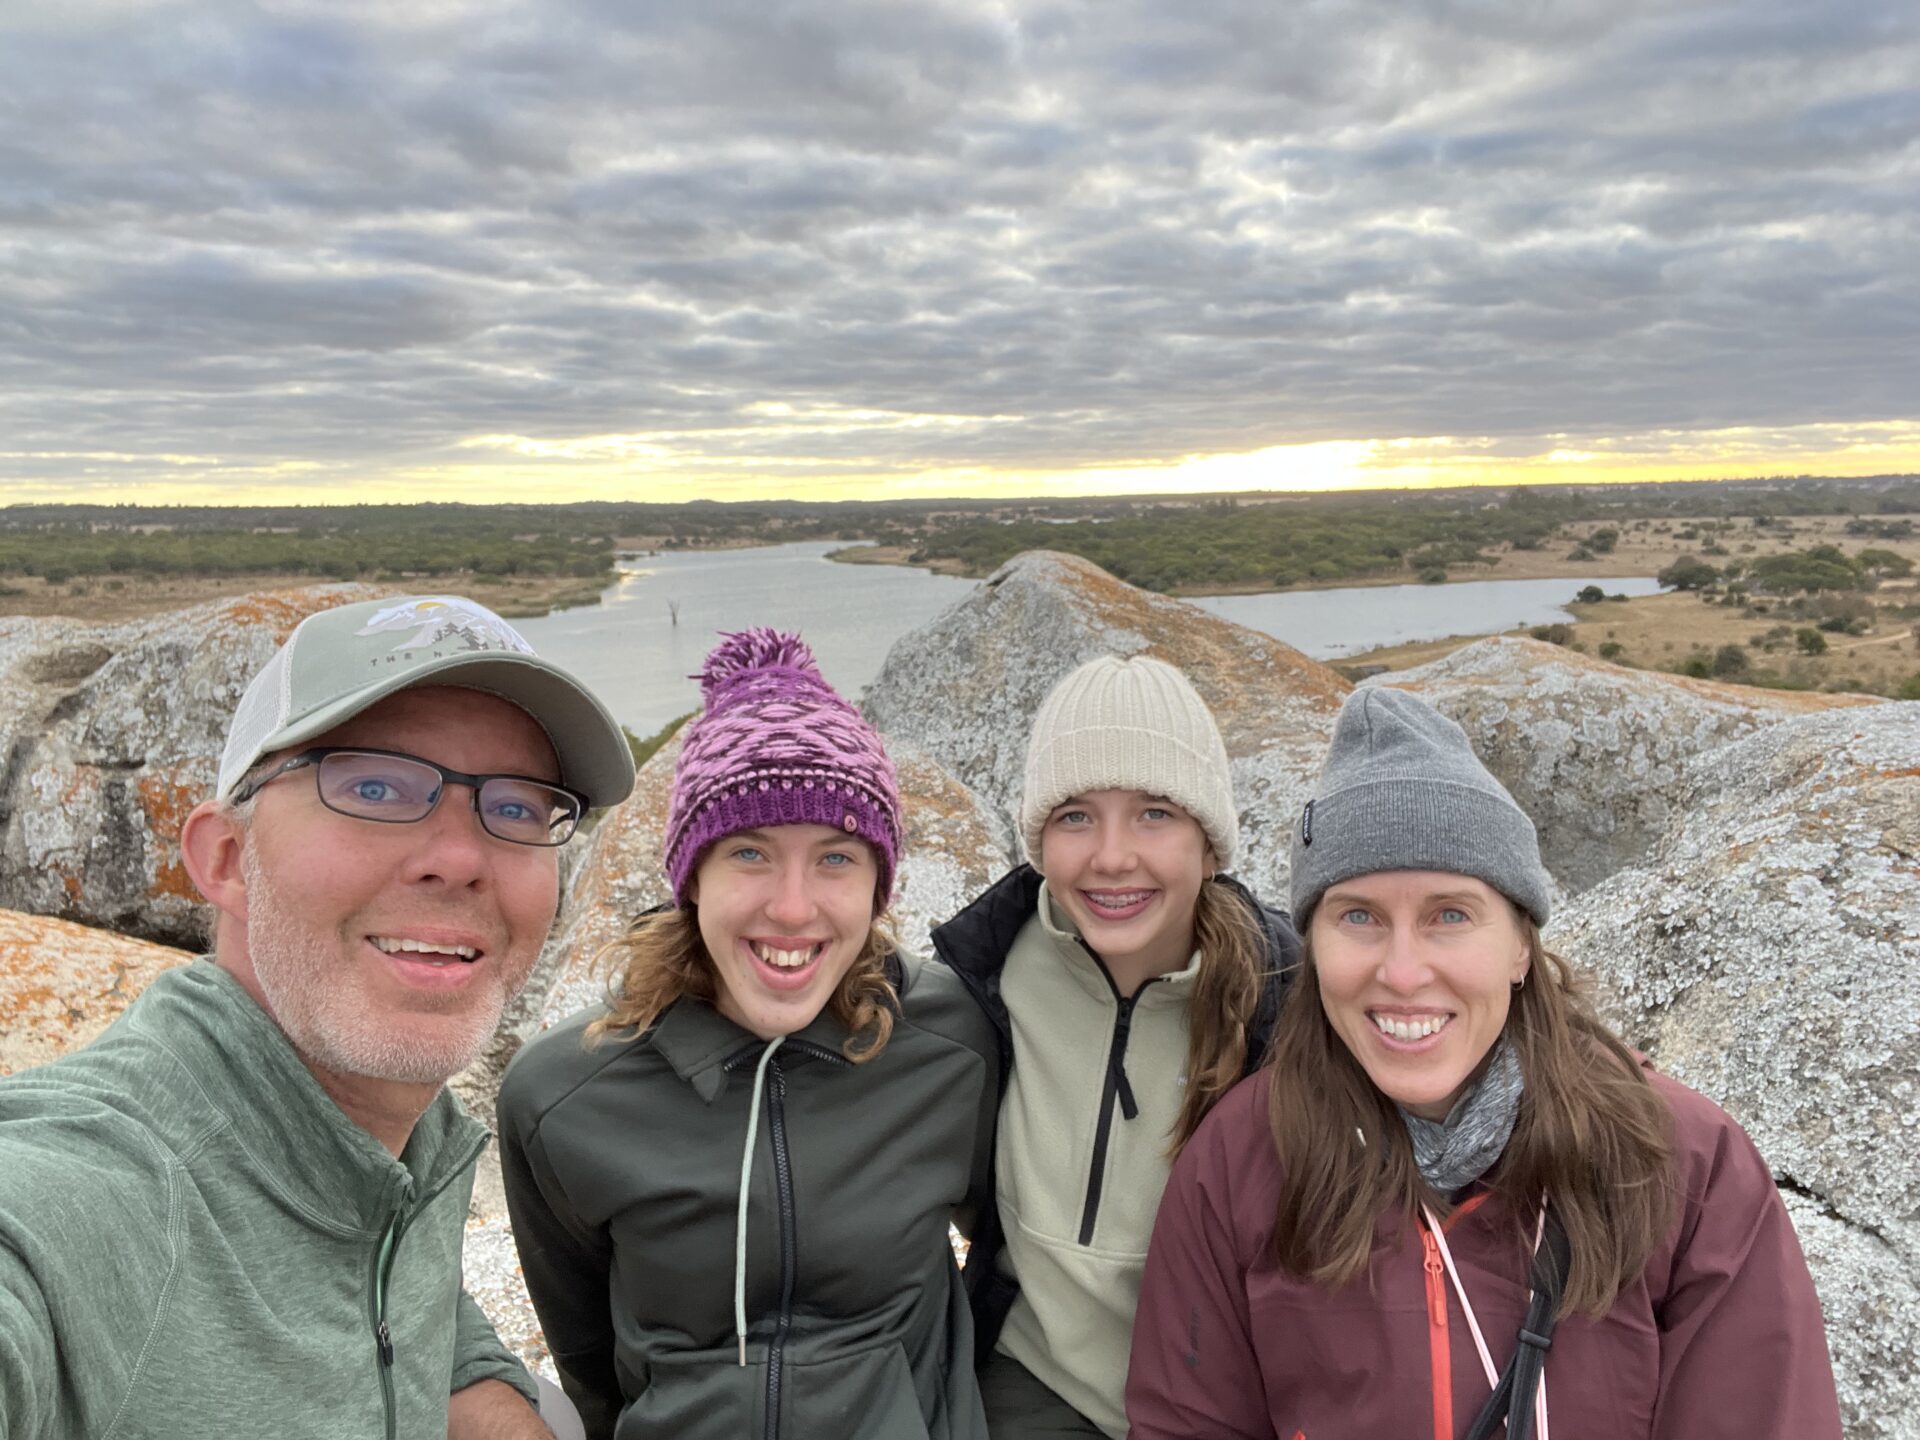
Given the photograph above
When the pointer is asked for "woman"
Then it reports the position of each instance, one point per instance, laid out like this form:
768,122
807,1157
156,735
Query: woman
1132,984
1344,1249
731,1186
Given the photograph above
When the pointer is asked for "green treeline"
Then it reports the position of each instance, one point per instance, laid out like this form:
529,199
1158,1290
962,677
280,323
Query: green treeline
1153,542
1413,534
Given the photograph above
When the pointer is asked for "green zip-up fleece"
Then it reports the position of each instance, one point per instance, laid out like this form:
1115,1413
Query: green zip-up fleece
623,1172
195,1240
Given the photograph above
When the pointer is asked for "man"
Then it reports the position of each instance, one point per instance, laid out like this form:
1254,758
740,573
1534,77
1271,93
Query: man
239,1212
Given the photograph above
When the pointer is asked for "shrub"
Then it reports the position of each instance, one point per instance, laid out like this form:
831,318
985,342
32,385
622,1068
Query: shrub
1810,641
1590,595
1612,650
1580,552
1698,666
1886,564
1909,689
1601,542
1689,572
1561,634
1433,575
1730,661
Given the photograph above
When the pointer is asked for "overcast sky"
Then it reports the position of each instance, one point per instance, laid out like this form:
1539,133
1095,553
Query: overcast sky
862,247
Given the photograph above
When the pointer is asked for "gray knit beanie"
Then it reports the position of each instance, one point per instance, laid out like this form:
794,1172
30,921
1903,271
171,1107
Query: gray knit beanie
1402,790
1132,724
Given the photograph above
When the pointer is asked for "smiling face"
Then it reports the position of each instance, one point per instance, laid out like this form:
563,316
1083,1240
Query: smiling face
1416,976
1127,867
389,951
783,913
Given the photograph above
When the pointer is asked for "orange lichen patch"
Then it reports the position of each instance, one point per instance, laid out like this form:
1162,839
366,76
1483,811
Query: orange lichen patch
71,884
61,984
167,802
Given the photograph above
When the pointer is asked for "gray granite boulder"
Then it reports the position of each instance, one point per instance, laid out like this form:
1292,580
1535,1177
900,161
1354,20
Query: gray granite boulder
1767,952
1593,752
111,734
966,685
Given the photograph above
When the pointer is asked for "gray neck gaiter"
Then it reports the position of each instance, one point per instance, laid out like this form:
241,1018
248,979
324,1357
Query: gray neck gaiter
1453,1153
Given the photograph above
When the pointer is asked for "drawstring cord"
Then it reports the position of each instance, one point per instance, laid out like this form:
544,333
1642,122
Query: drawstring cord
746,1180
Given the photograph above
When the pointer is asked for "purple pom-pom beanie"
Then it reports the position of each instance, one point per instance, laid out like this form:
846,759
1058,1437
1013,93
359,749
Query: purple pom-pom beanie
777,745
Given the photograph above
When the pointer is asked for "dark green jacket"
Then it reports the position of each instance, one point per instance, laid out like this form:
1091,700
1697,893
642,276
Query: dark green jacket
191,1241
623,1173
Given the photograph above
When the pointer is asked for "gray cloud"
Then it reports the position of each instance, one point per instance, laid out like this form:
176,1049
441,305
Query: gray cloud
364,234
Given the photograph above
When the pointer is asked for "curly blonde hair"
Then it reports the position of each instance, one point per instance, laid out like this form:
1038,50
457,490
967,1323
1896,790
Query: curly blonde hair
662,959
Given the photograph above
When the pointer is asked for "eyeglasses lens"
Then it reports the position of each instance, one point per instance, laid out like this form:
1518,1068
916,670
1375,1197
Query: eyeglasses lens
397,790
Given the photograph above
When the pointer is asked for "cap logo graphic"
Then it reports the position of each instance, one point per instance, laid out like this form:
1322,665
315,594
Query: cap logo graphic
429,622
1306,824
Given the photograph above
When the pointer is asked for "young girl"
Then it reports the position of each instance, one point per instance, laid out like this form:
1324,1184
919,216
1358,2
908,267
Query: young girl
731,1186
1131,984
1450,1154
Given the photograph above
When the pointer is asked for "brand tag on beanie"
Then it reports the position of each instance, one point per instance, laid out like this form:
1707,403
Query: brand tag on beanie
1306,824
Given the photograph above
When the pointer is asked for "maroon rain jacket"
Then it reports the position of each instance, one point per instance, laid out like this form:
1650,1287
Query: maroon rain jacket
1720,1335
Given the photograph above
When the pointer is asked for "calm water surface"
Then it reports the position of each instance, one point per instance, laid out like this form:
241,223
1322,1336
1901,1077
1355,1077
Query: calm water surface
630,651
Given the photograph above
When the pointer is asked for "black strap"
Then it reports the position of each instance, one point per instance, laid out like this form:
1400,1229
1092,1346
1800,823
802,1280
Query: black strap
1512,1398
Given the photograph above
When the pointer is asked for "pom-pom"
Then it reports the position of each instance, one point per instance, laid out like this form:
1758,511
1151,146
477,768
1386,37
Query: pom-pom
758,649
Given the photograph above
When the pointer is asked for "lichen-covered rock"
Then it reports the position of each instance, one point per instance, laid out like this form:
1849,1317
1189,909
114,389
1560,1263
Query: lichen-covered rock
1768,953
1872,1309
61,984
1593,752
965,688
111,734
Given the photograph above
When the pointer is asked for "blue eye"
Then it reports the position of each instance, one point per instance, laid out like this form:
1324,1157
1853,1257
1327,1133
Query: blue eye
1155,812
747,853
1070,817
1453,915
1355,917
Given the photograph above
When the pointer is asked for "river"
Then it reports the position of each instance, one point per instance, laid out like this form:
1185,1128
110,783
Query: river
629,649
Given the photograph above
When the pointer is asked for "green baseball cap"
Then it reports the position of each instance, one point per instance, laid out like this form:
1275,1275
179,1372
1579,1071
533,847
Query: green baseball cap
338,662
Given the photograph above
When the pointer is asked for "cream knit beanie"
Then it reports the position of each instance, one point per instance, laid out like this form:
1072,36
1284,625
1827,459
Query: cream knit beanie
1133,724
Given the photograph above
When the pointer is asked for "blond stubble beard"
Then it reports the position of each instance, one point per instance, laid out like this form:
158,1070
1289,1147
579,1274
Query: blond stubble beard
332,1025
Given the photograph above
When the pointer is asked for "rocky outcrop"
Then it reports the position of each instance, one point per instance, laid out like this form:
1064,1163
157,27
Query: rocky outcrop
1767,952
965,688
1593,752
111,734
61,984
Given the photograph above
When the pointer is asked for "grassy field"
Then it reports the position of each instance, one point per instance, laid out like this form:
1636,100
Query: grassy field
1667,631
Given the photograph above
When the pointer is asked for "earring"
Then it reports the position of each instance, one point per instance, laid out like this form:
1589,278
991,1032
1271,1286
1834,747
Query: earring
1521,983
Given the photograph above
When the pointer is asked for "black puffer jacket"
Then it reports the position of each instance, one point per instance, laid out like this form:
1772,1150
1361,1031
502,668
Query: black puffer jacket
974,944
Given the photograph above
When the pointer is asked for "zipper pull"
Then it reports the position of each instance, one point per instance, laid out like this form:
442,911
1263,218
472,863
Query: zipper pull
385,1337
1436,1293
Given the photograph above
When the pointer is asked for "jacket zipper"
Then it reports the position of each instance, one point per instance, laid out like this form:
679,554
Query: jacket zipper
783,1190
1439,1347
783,1187
1113,1086
382,1334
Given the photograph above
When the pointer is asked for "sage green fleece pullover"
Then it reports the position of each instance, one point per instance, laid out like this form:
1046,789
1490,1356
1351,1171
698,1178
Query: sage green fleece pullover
195,1240
1079,1180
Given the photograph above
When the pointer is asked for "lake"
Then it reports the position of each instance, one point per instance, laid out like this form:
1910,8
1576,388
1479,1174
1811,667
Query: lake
630,651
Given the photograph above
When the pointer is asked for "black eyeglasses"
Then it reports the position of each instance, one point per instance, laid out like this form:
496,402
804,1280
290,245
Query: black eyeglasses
396,789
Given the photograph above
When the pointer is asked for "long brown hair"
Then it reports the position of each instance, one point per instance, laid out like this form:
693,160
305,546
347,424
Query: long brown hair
1592,1134
662,959
1226,994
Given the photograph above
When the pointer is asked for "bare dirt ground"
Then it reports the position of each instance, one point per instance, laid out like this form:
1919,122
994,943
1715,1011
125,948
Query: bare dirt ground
130,597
